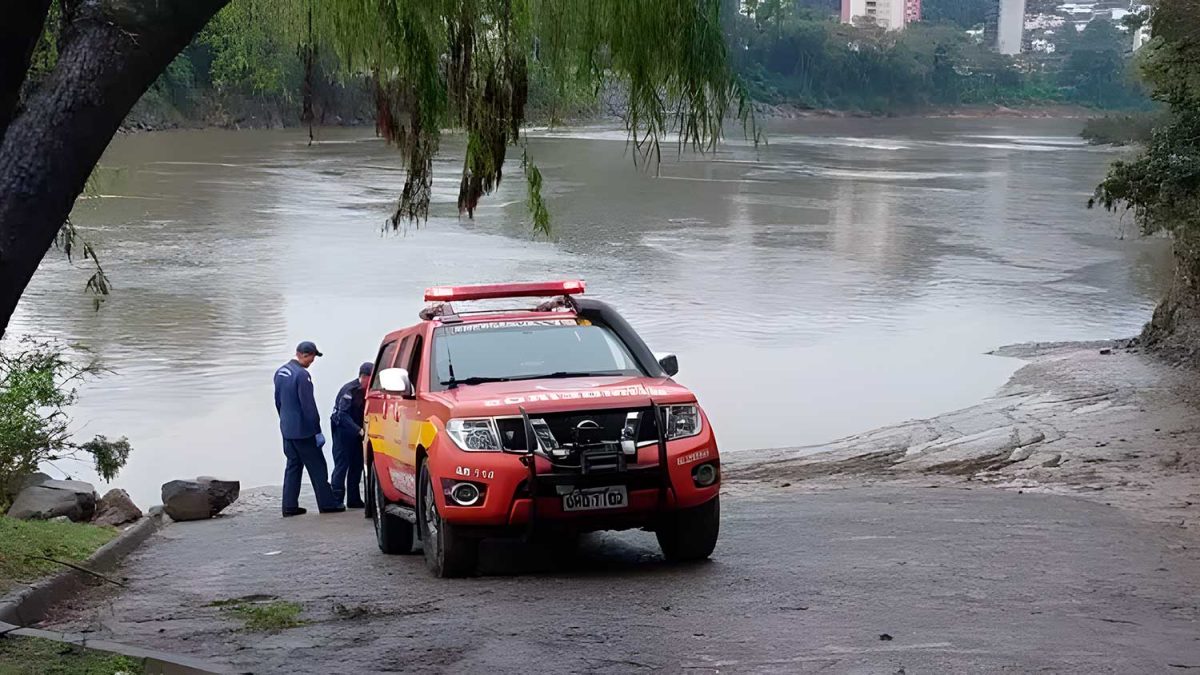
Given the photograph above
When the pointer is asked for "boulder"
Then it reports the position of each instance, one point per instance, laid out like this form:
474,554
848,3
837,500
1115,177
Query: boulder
35,478
116,508
53,498
18,483
198,499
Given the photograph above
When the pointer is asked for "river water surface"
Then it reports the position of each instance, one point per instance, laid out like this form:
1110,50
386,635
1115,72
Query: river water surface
849,274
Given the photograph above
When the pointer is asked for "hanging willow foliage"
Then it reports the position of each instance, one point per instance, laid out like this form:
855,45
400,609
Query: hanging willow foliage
440,64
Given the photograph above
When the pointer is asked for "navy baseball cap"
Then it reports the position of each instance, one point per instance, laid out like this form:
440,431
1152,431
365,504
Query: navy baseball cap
307,347
366,368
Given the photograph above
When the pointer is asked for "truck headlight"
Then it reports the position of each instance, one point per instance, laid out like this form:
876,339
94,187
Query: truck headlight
475,435
683,421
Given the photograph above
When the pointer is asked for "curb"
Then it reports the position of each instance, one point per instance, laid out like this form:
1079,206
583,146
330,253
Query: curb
31,604
160,663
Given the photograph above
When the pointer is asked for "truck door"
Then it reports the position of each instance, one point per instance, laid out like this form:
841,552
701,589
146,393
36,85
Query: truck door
381,414
411,358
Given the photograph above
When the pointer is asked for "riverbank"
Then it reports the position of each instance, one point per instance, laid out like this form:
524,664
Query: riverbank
1104,421
156,113
993,111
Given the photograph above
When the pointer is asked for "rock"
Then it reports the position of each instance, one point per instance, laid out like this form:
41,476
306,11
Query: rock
198,499
21,482
116,508
1053,462
53,498
1021,454
35,478
224,492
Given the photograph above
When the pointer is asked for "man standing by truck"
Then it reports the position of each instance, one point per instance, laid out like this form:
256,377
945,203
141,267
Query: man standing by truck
300,424
347,425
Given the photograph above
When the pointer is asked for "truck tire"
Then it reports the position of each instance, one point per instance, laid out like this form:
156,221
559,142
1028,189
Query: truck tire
690,534
448,553
393,533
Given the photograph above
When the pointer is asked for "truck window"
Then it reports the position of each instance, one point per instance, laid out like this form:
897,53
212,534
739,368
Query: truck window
386,353
527,350
414,361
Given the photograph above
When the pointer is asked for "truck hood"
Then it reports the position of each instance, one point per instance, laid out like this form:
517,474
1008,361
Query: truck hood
558,395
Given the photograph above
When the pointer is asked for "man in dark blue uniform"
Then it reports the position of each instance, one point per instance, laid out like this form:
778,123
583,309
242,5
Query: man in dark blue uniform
300,424
347,425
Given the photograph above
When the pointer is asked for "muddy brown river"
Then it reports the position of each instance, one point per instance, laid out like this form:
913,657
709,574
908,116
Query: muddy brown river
849,274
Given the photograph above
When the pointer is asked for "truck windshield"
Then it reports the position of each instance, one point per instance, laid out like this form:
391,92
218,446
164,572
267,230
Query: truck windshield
521,350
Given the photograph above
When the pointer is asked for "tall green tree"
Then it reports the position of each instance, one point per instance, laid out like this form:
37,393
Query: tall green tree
1095,69
965,13
1161,186
436,64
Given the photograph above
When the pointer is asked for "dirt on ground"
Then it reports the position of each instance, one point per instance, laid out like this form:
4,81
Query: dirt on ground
1102,420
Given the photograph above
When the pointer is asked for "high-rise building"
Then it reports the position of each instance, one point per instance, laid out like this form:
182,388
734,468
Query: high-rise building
1010,29
912,11
889,14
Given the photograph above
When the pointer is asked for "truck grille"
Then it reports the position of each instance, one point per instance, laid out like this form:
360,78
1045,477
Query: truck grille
583,432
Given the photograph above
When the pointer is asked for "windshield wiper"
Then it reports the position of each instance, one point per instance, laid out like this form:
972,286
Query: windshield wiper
452,382
562,374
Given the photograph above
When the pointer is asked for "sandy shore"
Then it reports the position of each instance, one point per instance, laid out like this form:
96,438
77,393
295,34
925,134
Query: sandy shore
1094,420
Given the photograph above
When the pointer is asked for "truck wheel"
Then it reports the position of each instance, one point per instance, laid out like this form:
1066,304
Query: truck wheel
394,534
690,534
447,552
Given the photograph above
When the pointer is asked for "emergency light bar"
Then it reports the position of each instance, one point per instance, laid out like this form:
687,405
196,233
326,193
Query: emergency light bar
491,291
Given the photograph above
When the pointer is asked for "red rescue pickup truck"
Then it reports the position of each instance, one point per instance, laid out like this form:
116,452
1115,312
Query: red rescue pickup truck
550,421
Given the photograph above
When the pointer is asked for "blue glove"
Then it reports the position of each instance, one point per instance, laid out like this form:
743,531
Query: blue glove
320,440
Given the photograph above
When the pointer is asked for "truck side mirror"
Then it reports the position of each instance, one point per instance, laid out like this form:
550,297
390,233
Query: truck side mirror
669,363
395,381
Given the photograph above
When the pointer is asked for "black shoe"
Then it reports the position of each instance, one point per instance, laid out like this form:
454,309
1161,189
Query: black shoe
335,509
359,505
298,511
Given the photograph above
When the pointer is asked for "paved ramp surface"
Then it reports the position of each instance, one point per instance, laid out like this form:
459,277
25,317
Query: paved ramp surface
959,580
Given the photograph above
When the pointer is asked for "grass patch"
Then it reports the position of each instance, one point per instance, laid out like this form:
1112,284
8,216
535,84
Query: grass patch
35,656
22,541
263,616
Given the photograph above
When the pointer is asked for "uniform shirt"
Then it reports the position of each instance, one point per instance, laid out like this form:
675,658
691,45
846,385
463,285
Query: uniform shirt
298,415
348,409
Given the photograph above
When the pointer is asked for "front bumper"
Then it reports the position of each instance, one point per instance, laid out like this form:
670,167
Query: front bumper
508,501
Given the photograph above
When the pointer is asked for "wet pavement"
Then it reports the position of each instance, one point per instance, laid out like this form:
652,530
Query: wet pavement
892,579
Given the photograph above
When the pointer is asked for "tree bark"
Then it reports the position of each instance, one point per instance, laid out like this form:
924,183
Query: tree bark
19,33
113,51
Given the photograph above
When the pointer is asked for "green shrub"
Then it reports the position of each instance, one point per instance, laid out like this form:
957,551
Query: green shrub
37,385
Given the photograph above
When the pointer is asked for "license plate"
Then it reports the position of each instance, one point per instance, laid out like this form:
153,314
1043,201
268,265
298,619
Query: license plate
595,499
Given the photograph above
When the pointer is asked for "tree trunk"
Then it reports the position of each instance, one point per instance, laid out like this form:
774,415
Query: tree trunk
113,51
19,34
